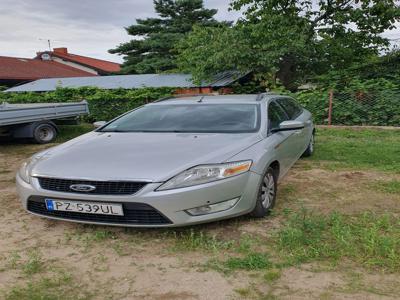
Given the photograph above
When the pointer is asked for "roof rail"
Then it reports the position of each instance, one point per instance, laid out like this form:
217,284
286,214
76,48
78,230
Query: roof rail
260,96
162,99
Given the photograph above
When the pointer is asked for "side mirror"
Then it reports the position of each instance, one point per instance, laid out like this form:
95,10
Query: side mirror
289,125
99,124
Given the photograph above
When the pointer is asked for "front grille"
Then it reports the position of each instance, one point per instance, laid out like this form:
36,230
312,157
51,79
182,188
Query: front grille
134,214
102,187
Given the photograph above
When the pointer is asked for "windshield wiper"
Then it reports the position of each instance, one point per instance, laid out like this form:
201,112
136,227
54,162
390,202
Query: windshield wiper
114,130
156,131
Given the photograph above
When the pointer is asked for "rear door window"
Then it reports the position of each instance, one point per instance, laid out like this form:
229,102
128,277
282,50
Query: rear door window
291,107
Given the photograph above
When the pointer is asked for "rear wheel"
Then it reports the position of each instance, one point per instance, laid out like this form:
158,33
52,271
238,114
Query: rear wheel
310,148
266,194
44,133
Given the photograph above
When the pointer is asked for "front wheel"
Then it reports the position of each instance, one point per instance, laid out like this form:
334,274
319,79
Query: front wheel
266,194
310,148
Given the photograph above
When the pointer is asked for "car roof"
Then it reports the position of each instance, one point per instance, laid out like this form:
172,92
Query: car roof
215,99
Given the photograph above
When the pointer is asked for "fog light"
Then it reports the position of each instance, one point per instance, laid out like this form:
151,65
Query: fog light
212,208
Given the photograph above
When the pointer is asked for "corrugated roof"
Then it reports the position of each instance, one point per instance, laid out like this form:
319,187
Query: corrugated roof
31,69
98,64
127,82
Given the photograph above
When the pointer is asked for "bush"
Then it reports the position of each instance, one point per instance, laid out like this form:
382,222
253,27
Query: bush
104,105
356,101
359,102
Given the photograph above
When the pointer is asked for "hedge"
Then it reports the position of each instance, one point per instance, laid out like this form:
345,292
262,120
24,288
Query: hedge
371,102
366,102
103,104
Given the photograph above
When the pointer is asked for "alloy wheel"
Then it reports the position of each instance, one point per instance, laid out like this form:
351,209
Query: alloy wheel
312,144
268,191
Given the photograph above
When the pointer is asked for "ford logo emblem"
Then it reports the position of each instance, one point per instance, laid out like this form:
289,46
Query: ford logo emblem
82,188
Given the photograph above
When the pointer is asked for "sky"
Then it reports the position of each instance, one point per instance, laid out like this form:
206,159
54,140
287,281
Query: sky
86,27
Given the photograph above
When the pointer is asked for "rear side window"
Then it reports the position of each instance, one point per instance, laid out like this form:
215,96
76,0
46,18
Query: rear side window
276,115
292,108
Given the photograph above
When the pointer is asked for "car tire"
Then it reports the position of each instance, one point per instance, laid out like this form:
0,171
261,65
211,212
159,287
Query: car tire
310,148
266,194
44,133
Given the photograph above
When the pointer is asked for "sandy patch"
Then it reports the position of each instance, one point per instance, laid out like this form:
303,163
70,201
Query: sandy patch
139,264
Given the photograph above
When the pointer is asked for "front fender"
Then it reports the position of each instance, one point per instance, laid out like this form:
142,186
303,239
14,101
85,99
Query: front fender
263,154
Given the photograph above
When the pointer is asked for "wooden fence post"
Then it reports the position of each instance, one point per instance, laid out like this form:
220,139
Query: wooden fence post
330,107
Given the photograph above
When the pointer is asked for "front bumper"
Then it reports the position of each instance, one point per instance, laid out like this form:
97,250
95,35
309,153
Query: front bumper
171,204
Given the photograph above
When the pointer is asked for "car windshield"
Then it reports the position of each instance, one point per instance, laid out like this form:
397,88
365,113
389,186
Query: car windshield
207,118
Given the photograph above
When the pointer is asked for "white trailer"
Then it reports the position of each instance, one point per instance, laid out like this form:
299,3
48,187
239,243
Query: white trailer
36,120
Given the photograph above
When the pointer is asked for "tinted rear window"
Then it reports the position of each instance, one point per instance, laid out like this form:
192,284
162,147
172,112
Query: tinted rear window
224,118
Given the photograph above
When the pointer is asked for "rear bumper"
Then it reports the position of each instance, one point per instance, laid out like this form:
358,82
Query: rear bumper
170,204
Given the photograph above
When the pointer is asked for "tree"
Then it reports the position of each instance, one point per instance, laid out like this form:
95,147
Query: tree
152,50
291,40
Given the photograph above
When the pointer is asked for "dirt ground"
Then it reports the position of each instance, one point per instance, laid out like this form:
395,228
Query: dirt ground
99,262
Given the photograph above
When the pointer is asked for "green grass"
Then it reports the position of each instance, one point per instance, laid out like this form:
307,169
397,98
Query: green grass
88,235
99,235
60,286
252,261
244,292
34,264
192,240
272,275
389,187
366,148
246,244
369,240
91,233
68,132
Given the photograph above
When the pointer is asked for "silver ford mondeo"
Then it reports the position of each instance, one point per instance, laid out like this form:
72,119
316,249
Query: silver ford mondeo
174,162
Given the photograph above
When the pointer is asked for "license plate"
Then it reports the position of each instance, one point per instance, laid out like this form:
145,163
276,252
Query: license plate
84,207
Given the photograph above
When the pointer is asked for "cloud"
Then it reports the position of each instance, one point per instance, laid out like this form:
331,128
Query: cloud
87,27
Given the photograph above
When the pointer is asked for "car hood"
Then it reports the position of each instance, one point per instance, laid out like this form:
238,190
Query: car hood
138,156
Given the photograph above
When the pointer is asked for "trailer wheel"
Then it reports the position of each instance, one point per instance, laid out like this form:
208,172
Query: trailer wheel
44,133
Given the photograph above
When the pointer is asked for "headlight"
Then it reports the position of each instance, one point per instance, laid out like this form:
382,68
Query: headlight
25,170
206,173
